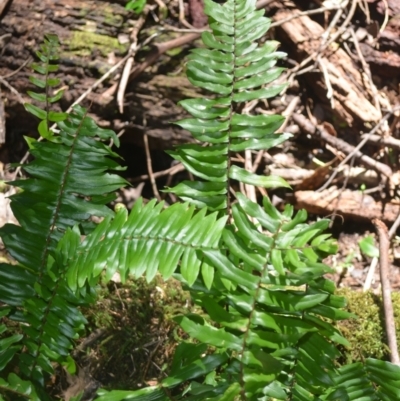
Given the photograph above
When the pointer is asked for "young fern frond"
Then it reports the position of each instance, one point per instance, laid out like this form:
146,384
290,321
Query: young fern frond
48,55
236,69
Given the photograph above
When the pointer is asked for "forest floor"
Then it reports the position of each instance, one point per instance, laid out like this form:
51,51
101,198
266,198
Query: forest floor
342,106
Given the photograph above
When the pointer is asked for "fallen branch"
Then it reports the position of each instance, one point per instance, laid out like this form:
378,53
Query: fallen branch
386,290
384,141
319,132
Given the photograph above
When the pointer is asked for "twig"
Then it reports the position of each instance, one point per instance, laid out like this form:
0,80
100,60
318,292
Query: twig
128,65
149,358
386,290
170,171
386,141
182,18
329,93
339,197
150,167
367,71
343,146
257,160
12,89
386,20
122,84
324,44
374,262
394,227
302,14
28,60
2,122
370,274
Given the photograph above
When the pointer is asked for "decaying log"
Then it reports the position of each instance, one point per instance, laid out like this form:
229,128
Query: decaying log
352,205
90,33
383,63
304,36
353,175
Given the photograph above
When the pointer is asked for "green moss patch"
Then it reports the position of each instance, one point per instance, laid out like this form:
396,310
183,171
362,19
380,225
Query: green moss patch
138,334
84,43
367,333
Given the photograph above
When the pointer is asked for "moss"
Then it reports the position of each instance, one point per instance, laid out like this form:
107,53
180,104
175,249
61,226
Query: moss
84,43
367,333
139,331
112,19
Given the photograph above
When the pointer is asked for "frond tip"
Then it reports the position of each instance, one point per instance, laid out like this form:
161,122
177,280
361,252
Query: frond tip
236,69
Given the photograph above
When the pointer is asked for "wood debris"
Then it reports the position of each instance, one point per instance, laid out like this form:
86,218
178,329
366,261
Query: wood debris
351,205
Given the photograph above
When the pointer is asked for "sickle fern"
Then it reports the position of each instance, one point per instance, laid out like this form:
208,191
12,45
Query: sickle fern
266,330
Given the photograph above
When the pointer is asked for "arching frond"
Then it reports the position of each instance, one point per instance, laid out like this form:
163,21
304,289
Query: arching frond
235,68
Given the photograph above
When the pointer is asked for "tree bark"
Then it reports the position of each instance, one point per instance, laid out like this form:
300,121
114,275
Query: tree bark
94,36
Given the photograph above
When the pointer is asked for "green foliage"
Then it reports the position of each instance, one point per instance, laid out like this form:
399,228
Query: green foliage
47,55
368,248
366,333
266,330
137,6
236,70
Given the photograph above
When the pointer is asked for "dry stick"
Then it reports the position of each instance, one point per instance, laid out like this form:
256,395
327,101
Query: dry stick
2,121
170,171
380,167
374,262
343,146
386,291
123,83
150,167
182,18
28,60
12,89
386,141
367,71
153,56
133,48
302,14
394,227
339,197
325,44
160,48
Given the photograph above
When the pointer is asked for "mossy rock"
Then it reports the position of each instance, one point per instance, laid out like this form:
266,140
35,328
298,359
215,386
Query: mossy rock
367,333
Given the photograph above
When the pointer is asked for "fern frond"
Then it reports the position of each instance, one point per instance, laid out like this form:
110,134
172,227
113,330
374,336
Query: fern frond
17,389
236,69
48,56
271,305
371,380
68,184
150,240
